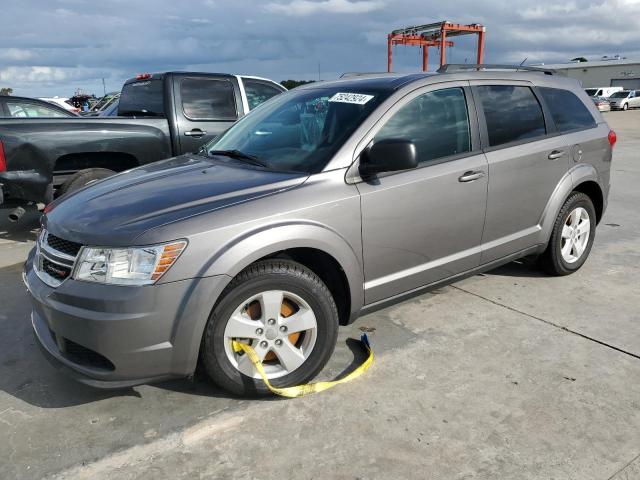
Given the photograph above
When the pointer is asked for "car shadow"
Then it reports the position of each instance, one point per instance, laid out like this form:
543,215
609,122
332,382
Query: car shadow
520,268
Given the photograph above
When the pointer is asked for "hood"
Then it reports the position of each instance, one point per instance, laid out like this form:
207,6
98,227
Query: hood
114,211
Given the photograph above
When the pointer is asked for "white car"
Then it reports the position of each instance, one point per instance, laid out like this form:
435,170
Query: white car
63,102
625,99
602,91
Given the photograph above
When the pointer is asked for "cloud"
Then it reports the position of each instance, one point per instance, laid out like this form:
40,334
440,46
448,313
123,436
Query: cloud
301,8
70,44
15,54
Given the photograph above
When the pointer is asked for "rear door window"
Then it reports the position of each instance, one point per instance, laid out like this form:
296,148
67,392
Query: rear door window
259,92
208,99
567,111
436,122
512,113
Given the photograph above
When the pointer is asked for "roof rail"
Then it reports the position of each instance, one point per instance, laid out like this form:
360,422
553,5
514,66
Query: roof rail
366,74
456,67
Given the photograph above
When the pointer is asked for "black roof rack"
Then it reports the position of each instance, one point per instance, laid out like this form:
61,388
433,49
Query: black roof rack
456,67
366,74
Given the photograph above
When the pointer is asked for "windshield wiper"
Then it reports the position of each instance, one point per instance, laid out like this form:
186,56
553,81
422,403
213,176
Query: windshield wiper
238,155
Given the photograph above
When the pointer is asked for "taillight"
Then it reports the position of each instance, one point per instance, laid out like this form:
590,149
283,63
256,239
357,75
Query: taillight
612,137
3,160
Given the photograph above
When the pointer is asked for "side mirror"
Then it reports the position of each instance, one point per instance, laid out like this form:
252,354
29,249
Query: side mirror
388,156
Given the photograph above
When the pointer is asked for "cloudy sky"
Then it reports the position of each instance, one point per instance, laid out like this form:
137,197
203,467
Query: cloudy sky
52,47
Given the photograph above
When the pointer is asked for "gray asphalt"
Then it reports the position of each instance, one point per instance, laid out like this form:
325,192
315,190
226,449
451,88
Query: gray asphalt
509,374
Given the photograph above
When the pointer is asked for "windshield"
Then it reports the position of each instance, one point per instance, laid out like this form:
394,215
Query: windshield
142,99
622,94
591,91
300,130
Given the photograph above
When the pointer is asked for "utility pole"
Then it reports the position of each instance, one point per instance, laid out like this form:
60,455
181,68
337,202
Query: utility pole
104,88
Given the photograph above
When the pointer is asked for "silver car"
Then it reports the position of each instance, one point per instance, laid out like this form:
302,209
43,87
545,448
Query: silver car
601,103
322,204
625,99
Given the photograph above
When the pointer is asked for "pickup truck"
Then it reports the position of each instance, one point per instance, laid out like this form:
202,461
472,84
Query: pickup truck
160,115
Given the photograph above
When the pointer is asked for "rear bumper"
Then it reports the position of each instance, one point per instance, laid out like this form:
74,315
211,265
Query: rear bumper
114,337
27,185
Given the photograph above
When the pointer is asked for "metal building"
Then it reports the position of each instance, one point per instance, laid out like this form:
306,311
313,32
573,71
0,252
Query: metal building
603,73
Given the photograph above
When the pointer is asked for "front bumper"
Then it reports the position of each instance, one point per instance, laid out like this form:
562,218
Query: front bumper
112,336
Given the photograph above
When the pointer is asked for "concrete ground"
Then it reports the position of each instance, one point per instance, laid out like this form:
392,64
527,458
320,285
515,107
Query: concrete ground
505,375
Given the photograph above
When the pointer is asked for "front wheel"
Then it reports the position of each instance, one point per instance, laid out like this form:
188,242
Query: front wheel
572,236
286,313
625,107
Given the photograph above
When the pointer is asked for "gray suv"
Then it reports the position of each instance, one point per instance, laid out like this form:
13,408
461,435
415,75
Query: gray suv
322,204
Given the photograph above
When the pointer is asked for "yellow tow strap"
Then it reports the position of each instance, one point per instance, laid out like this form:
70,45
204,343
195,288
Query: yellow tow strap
309,388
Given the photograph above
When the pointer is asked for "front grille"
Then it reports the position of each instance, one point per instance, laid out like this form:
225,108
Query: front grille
57,271
55,258
65,246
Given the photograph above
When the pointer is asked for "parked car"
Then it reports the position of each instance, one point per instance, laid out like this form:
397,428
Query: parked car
110,110
601,103
625,99
602,91
24,107
167,114
101,104
327,202
61,102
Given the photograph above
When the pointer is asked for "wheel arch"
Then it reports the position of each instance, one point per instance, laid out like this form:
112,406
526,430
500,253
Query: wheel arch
319,248
116,161
594,192
583,178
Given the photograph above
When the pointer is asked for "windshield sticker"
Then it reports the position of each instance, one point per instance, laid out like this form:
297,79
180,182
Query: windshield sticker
356,98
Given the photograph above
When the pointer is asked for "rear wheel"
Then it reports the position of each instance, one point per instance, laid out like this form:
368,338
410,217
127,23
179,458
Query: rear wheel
572,236
285,312
83,178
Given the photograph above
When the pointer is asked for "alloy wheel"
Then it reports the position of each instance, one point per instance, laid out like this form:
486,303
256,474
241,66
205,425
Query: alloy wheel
279,325
575,235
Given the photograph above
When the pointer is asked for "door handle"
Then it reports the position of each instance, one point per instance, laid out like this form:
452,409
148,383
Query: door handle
470,176
556,154
196,132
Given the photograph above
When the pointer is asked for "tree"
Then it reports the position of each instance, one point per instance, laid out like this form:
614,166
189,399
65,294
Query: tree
579,59
6,91
289,84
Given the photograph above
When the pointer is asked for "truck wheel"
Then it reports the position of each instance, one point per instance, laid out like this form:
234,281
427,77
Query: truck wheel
286,313
82,178
572,236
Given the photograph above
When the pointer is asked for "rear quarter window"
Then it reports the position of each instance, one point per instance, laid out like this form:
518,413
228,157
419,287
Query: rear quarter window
567,110
512,113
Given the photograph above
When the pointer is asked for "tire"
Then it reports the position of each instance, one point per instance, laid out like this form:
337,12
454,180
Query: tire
625,107
297,284
554,260
83,178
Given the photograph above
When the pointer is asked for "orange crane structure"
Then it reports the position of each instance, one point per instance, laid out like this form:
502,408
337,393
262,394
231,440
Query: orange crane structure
433,35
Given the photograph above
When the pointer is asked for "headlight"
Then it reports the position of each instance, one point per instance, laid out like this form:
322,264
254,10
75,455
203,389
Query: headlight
127,266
